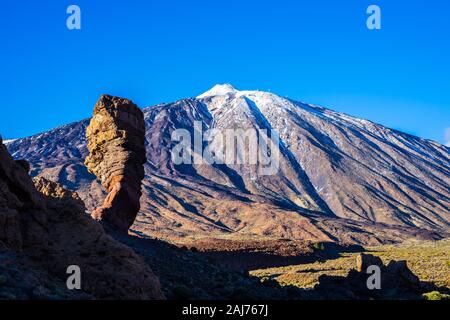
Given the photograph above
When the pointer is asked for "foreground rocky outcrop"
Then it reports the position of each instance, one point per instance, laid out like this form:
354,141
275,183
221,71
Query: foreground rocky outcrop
45,230
116,141
397,281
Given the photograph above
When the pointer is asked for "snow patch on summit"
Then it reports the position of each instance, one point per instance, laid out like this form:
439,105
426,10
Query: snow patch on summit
219,90
5,142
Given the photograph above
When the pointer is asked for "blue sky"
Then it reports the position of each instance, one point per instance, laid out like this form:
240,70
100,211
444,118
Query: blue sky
160,51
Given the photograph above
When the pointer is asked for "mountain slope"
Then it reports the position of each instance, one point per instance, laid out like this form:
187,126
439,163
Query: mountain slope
340,178
362,170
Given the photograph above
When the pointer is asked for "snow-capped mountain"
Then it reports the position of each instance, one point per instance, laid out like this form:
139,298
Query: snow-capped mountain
362,170
339,178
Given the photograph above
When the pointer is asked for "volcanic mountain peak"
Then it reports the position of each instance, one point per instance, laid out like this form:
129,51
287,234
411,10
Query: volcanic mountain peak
219,90
225,95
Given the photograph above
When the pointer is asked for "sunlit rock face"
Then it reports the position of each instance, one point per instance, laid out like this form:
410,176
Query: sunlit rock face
116,142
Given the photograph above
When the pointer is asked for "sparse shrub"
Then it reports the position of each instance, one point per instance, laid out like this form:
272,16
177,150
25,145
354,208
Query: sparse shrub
2,280
240,293
319,246
269,282
435,295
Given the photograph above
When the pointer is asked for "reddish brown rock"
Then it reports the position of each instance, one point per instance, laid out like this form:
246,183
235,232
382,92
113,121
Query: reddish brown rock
109,268
17,194
116,142
45,230
59,195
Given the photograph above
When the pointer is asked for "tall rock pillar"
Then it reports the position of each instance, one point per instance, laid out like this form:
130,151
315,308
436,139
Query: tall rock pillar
116,142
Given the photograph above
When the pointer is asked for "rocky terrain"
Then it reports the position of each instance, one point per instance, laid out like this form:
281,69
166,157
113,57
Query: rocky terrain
341,178
44,230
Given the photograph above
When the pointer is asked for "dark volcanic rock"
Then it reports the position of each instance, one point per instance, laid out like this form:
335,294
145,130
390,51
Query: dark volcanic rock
363,261
116,141
17,194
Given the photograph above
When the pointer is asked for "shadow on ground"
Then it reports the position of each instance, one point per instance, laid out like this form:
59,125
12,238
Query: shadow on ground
188,274
246,260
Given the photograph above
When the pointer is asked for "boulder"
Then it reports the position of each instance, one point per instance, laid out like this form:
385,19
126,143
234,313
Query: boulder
400,269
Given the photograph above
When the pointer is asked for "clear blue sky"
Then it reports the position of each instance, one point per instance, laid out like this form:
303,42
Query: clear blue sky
159,51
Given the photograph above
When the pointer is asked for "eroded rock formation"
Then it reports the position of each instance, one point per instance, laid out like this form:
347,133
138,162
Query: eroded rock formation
44,230
116,142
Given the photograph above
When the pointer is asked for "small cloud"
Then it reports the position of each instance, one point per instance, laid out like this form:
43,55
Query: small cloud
447,137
